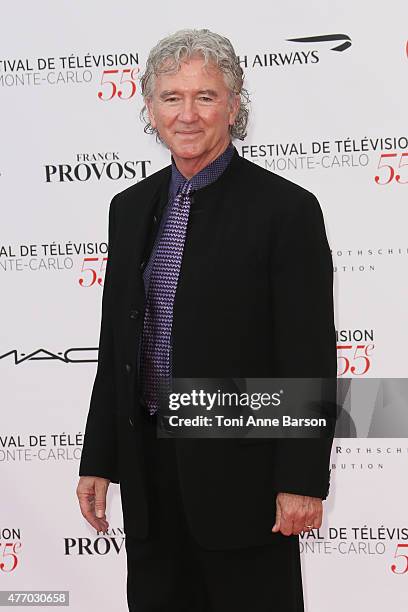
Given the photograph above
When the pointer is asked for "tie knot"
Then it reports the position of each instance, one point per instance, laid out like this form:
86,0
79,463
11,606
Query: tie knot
186,188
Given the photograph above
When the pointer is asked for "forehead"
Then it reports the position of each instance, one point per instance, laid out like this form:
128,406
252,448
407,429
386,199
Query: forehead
192,73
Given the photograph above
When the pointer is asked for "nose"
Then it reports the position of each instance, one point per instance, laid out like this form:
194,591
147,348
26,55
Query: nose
188,113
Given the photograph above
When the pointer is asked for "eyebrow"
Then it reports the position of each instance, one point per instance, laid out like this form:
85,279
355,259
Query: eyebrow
209,92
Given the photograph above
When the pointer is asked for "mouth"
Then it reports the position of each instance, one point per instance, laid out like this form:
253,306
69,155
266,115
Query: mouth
188,133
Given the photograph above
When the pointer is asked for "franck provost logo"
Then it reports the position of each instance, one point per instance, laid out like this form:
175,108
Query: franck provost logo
96,167
102,545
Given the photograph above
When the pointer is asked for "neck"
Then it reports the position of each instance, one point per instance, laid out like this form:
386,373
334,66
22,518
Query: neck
190,167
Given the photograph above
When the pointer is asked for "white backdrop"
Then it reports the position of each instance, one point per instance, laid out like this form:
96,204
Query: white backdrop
322,117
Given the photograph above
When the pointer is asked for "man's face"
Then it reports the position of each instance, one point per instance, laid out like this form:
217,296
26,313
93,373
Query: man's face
192,110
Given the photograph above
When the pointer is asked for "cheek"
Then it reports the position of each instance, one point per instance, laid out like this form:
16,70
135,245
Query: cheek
167,118
215,118
161,114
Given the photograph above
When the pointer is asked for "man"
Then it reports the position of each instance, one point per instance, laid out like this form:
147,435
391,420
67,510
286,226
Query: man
217,268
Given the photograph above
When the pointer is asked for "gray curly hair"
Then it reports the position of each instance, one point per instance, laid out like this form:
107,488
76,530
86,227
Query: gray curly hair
168,54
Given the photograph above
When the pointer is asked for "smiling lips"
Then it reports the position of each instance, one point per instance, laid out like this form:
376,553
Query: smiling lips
188,133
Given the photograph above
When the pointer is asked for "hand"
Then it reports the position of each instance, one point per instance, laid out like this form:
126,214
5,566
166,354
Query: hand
295,512
91,492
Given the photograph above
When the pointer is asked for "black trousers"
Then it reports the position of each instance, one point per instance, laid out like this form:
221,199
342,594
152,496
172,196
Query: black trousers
170,571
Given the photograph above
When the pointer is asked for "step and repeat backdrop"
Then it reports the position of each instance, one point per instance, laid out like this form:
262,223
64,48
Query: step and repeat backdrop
328,84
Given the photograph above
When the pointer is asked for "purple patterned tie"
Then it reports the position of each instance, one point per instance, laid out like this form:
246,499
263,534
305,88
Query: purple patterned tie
155,347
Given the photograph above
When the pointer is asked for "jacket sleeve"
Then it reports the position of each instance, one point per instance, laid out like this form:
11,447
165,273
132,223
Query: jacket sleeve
304,338
99,453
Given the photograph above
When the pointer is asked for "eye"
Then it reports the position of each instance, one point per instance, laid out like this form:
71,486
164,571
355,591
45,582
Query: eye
205,99
171,99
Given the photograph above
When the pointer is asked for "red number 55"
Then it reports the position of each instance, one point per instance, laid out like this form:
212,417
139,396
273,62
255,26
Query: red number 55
390,172
110,81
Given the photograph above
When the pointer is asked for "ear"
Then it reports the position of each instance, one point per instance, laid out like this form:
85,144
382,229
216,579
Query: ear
150,111
234,108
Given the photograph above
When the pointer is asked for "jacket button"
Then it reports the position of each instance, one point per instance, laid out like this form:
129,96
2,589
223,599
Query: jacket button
128,368
155,219
142,265
130,422
134,314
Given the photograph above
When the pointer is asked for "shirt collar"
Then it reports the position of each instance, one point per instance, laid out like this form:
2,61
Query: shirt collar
207,175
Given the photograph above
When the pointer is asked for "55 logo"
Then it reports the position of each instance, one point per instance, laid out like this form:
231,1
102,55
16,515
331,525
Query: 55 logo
9,556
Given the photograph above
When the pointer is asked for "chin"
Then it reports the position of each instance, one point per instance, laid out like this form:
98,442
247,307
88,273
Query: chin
188,152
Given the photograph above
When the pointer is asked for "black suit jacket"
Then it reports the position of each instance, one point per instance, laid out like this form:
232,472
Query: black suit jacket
254,299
